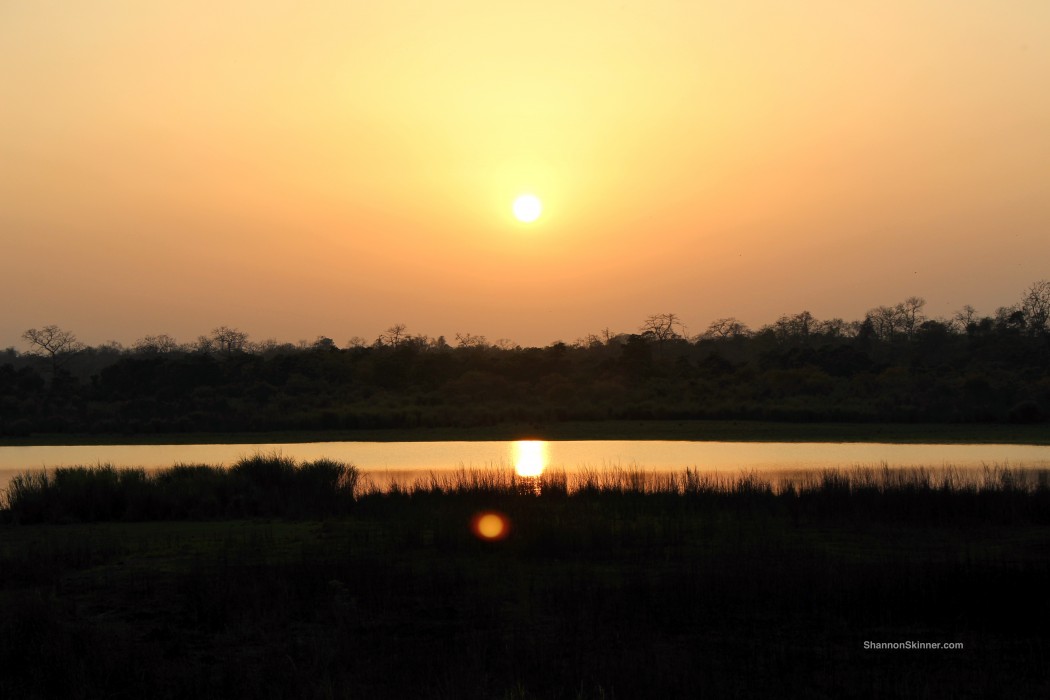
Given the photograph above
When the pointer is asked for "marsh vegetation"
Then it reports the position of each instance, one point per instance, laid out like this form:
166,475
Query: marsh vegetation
609,584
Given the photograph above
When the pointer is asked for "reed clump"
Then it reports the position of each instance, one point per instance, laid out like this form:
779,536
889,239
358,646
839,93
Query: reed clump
260,485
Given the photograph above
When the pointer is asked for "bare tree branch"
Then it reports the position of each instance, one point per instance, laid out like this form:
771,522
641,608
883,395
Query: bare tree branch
53,343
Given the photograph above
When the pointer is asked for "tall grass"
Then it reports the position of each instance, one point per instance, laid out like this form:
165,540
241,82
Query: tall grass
277,486
697,482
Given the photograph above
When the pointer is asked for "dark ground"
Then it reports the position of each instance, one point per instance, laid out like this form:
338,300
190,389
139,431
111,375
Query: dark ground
603,593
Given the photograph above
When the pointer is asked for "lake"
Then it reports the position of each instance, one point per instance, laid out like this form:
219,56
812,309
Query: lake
531,457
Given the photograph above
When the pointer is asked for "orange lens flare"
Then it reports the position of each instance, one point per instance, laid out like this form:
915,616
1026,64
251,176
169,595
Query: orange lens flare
490,526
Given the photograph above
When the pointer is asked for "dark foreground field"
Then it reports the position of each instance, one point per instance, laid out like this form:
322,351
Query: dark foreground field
280,580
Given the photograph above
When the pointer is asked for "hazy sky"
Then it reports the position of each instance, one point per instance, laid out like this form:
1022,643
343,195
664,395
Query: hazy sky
333,167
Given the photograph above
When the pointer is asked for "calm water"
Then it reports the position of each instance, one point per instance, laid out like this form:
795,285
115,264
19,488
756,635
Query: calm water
532,457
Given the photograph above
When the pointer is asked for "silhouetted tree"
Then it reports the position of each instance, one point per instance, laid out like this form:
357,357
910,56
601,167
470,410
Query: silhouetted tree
229,341
662,327
889,322
1035,306
797,326
324,343
726,328
469,340
964,319
1010,319
53,343
393,336
155,344
881,322
603,338
910,313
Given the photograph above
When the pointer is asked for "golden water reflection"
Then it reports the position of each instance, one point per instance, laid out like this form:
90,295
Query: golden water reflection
530,457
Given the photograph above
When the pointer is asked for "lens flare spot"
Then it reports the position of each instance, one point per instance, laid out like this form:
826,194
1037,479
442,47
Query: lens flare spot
490,526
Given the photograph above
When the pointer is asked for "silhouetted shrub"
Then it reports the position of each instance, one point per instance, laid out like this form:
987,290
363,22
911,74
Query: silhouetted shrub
254,486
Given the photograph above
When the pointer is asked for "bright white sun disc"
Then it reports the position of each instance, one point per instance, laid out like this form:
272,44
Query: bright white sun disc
527,208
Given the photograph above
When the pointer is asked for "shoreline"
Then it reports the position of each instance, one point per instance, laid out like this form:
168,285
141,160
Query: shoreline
686,430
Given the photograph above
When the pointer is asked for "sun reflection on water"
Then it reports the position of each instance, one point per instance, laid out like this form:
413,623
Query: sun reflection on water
530,457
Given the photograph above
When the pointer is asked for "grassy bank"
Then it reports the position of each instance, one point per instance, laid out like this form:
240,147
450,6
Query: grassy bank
609,584
278,486
949,433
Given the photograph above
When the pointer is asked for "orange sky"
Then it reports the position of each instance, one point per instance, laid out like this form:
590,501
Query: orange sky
293,172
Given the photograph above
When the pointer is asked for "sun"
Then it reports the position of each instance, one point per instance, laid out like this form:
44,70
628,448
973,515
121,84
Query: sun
527,208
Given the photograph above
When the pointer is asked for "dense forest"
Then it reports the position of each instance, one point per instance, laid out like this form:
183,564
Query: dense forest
893,365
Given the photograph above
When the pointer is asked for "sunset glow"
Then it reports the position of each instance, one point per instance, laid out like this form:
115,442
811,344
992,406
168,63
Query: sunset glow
179,170
285,284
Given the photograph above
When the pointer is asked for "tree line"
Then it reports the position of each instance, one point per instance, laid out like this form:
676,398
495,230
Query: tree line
895,364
